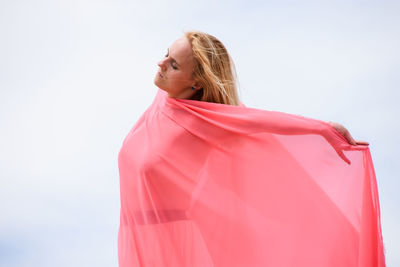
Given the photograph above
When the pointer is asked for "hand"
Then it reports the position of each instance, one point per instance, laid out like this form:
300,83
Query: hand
341,129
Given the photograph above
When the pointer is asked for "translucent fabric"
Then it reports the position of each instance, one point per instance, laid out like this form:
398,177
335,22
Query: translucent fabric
205,184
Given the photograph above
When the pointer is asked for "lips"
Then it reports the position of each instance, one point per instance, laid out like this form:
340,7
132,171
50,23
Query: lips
159,73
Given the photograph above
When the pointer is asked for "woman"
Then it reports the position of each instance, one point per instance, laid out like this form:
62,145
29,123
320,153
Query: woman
206,181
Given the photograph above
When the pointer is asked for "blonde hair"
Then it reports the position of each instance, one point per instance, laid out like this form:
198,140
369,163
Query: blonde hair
214,69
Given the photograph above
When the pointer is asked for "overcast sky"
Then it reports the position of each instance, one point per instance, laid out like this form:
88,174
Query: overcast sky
75,75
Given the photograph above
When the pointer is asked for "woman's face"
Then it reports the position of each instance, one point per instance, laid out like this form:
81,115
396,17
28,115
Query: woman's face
176,68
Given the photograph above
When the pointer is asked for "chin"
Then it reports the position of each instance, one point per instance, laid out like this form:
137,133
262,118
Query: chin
156,82
158,85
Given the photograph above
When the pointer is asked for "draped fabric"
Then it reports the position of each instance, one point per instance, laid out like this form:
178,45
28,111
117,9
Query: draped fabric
205,184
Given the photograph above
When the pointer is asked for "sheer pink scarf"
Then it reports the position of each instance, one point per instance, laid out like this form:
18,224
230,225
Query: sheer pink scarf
205,184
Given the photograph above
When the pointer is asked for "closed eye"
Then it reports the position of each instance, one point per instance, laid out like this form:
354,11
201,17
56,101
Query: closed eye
173,60
174,67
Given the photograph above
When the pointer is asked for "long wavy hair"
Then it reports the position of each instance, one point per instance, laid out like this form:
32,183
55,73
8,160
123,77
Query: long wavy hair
214,69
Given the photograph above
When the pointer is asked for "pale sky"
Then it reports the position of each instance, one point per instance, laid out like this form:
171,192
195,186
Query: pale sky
76,75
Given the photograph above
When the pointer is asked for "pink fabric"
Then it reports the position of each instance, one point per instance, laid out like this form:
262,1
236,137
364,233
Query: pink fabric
205,184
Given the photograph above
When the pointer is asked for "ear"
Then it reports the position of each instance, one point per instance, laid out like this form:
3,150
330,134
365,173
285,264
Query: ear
197,85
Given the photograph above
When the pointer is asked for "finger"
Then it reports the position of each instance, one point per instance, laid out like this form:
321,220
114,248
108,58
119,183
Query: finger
362,143
350,138
343,156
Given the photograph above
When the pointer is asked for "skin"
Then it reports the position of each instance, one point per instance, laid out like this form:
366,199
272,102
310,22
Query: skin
176,69
341,129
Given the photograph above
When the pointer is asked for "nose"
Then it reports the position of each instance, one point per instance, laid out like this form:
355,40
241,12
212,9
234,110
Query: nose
161,64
